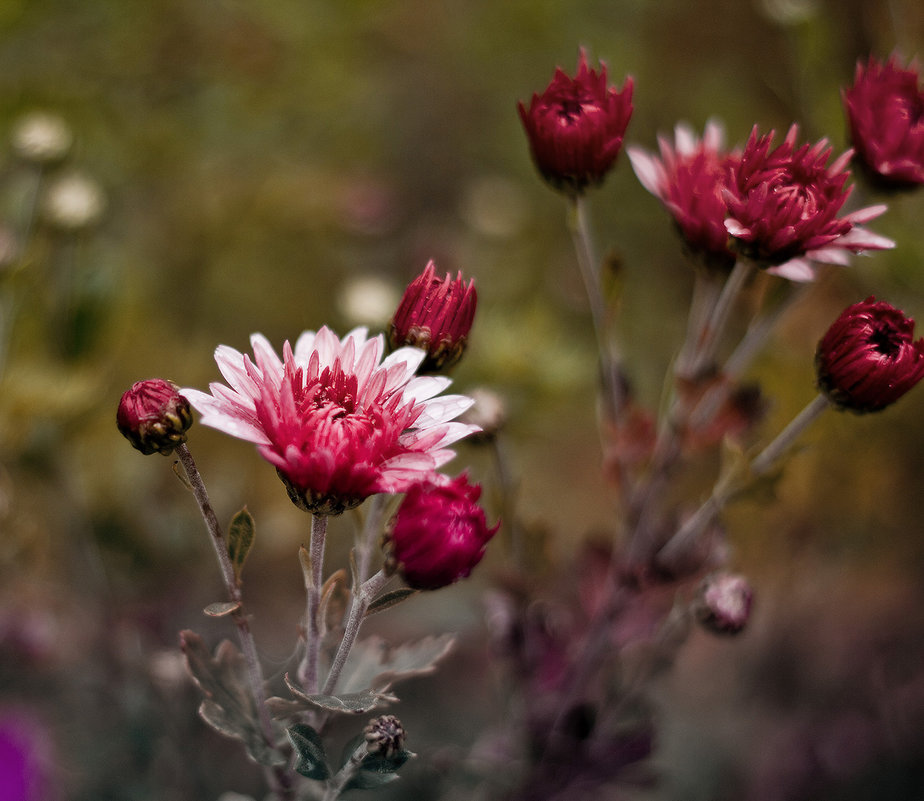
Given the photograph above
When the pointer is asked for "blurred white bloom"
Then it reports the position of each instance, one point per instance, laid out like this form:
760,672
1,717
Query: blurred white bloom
73,201
789,12
368,300
41,136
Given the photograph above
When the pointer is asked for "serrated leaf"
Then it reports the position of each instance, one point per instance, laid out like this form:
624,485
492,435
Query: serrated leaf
311,760
222,608
374,664
228,707
241,534
390,599
355,703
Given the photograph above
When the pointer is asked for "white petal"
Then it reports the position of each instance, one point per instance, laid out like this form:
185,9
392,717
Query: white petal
423,387
443,409
647,169
799,270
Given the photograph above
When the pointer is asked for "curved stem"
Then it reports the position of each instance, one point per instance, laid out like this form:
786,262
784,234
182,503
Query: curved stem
280,781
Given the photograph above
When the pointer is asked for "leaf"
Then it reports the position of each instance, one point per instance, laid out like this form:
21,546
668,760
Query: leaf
222,608
241,534
312,761
304,558
333,600
375,769
355,703
390,599
374,664
228,707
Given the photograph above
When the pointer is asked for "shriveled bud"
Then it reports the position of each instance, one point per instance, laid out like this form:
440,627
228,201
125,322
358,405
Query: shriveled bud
439,533
723,605
868,358
154,416
385,736
435,315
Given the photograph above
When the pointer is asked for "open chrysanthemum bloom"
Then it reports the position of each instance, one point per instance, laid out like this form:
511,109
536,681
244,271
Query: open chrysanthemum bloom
783,206
336,421
688,179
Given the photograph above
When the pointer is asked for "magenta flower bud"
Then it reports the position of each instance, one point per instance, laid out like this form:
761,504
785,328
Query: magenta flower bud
724,603
868,358
576,127
154,416
435,315
783,204
885,112
439,533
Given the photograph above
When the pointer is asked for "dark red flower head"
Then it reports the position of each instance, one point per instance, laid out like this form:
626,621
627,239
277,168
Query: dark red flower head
783,205
576,127
435,315
885,112
688,179
154,416
868,358
439,533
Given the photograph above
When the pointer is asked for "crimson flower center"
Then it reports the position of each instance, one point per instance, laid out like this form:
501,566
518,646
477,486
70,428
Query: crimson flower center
571,109
886,339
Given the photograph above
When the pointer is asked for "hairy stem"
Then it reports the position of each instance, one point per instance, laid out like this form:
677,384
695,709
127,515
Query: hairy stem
308,671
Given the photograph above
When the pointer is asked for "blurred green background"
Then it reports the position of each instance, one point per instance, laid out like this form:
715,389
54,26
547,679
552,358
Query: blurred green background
283,165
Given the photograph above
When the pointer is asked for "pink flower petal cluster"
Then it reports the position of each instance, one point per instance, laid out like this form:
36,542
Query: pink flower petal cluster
154,416
868,358
435,314
783,204
576,127
439,533
336,421
885,112
688,179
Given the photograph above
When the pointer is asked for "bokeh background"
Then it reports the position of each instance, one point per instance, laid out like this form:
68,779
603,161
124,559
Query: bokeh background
279,166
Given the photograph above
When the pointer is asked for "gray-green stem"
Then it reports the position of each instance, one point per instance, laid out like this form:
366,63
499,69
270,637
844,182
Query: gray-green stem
361,600
279,779
308,671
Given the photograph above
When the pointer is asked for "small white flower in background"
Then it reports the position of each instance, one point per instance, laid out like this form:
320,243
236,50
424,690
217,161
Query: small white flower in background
73,201
41,137
368,300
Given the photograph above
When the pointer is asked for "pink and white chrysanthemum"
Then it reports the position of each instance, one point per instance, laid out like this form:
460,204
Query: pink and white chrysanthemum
783,206
688,179
336,421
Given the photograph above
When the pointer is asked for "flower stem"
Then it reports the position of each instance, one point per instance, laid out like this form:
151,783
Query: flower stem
308,672
610,362
361,600
337,783
279,779
759,466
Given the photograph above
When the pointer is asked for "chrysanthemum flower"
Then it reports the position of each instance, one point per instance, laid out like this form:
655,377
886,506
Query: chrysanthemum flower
337,422
868,358
435,314
783,207
439,534
576,127
688,179
154,416
885,112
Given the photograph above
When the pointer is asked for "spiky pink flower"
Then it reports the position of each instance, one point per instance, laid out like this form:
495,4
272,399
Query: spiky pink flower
576,127
688,179
885,112
868,358
439,533
435,314
337,422
783,205
154,416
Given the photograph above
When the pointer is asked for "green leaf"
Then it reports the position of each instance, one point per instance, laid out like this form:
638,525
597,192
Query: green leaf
390,599
356,703
373,663
311,761
222,608
240,538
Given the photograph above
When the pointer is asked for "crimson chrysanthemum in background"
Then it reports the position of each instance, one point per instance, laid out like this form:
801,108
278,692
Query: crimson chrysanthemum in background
885,112
576,127
338,423
783,205
154,416
435,315
439,533
869,358
688,179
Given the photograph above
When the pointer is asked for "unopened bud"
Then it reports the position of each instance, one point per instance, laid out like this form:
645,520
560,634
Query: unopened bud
154,416
385,736
724,603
